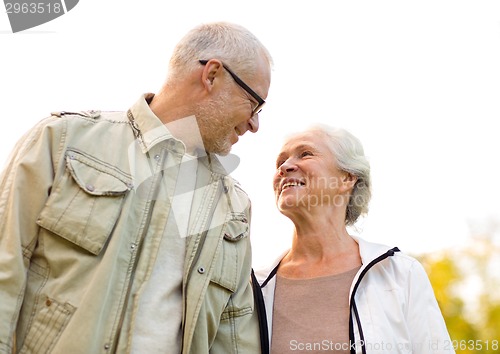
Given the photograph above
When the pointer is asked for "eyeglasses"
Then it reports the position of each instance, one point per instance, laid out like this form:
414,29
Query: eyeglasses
245,87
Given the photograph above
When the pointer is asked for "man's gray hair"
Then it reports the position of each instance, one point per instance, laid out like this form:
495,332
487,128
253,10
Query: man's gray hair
350,157
233,44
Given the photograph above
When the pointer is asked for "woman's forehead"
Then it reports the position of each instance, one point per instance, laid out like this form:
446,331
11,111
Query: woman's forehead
308,138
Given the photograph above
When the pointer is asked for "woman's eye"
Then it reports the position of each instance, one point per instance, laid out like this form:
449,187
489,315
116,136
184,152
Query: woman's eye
306,153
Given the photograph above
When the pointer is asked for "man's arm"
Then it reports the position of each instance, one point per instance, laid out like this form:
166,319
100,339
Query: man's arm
24,187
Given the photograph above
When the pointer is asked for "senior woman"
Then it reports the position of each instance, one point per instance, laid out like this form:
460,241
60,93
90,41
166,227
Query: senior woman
333,292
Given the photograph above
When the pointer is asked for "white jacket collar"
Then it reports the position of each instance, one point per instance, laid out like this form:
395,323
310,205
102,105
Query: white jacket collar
367,250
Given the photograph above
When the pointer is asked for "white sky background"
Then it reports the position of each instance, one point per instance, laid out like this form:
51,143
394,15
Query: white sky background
417,82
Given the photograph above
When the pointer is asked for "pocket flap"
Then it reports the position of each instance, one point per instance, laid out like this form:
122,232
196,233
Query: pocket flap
86,201
95,178
236,228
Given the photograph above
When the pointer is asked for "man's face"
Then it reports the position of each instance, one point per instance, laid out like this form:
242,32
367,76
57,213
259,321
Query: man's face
228,115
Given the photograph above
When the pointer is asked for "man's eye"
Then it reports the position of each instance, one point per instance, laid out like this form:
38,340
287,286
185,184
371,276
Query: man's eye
254,104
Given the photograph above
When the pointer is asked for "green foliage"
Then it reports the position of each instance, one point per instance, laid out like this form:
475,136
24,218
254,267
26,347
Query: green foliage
466,283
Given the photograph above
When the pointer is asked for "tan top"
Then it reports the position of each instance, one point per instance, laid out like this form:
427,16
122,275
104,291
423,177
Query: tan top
312,315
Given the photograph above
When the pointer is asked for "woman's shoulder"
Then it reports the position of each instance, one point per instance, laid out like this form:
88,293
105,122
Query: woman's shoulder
264,273
387,256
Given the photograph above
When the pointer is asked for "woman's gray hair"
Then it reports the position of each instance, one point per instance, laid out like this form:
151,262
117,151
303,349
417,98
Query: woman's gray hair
233,44
350,157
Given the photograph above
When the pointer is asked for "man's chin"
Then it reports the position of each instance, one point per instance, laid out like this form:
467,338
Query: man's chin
222,148
218,150
224,152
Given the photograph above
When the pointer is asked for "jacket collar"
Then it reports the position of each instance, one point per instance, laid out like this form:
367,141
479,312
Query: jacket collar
147,126
150,131
369,250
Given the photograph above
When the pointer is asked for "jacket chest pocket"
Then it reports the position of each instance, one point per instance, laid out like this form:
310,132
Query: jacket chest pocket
84,205
233,252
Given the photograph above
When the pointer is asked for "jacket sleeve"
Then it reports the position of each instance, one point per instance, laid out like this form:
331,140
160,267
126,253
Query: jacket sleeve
425,322
25,184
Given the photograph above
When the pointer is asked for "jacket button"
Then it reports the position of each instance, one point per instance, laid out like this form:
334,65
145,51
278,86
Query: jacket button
106,346
48,302
201,270
90,187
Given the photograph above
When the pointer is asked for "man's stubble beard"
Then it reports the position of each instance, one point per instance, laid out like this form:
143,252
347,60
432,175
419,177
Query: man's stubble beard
215,124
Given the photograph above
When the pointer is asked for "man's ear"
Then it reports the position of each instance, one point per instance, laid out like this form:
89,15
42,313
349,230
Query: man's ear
211,71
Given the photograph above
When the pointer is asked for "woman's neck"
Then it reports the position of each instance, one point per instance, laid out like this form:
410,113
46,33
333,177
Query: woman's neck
321,246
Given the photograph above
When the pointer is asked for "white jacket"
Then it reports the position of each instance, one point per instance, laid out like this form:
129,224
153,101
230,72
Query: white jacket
393,307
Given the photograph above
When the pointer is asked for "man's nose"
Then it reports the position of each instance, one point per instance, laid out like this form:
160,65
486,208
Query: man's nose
253,123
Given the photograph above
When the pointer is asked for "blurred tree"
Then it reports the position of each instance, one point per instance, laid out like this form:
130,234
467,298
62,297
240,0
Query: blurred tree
466,281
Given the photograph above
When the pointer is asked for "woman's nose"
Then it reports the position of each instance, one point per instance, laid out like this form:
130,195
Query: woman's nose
287,167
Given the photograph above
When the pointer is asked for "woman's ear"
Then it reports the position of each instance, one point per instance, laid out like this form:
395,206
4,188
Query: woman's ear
349,180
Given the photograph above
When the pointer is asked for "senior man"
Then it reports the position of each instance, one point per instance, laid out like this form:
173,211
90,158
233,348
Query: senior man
122,232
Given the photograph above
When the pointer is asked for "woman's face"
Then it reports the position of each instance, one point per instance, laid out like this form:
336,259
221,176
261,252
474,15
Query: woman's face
307,175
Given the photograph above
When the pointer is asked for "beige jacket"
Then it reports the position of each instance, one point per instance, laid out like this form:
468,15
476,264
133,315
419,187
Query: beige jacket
78,206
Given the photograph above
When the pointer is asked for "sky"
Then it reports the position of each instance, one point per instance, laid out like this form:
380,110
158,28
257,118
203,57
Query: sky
417,82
